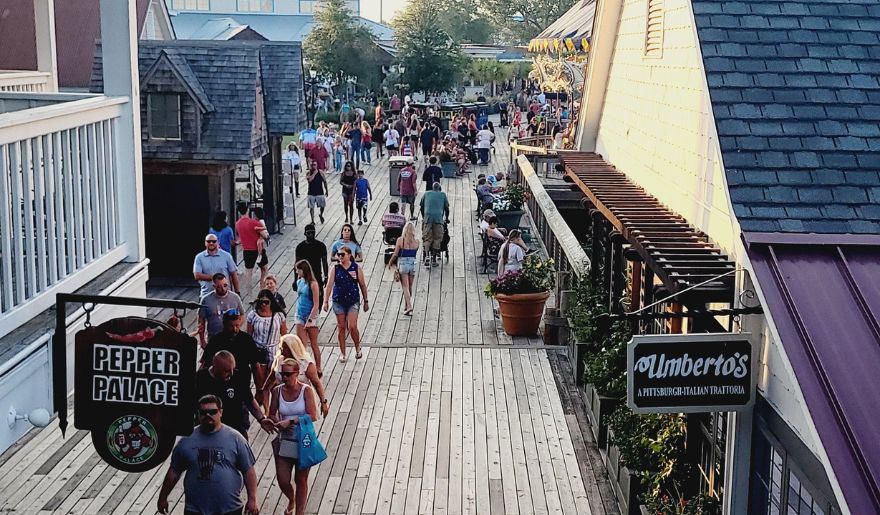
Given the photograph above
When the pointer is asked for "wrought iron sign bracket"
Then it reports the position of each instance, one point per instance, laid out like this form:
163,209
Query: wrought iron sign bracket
59,339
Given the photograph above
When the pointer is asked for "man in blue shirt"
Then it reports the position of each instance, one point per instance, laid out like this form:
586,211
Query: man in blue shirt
214,260
435,212
362,194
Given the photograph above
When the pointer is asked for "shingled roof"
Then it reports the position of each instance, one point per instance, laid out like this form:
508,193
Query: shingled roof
796,99
225,74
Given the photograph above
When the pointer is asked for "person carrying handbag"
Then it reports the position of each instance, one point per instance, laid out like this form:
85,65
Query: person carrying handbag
291,400
266,323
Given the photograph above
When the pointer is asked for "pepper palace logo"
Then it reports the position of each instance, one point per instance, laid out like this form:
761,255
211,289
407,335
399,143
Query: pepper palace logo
132,439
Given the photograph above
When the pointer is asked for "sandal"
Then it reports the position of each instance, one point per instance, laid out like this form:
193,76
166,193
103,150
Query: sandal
408,312
320,373
358,354
342,358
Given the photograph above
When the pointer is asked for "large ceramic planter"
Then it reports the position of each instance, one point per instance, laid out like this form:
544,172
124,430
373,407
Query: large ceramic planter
448,168
521,313
509,219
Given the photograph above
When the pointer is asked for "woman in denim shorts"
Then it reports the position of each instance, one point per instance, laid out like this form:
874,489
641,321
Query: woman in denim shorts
346,283
404,257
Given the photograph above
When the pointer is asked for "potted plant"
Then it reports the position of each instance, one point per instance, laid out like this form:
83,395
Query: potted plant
508,206
521,295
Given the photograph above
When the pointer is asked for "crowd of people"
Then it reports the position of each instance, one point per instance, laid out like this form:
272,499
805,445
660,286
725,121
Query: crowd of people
261,360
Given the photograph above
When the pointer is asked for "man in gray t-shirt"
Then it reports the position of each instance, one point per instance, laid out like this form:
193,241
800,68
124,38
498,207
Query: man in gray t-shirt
217,461
214,305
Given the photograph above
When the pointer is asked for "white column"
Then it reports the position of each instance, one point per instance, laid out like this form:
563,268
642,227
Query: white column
44,29
737,459
119,47
602,44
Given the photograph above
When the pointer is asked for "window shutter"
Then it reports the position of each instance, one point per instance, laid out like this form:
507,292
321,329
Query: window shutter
654,29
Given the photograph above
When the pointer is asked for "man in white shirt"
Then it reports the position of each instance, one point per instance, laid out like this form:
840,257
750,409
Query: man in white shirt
484,143
291,163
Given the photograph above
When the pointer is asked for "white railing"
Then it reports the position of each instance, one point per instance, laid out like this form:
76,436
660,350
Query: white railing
28,81
59,217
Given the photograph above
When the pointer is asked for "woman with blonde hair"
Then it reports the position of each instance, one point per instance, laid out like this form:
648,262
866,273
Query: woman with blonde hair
404,256
291,400
366,142
292,347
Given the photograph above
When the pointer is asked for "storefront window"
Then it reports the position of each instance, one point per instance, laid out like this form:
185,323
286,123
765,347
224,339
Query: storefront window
777,487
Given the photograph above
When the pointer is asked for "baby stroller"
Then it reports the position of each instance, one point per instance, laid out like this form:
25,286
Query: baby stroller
444,243
389,236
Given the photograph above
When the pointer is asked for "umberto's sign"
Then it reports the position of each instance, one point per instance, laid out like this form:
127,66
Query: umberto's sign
690,373
134,390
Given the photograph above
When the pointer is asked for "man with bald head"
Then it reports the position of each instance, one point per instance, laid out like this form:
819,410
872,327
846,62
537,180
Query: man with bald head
221,379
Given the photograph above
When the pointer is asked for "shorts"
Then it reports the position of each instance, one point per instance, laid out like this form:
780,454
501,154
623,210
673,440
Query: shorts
362,203
339,309
317,201
406,265
391,147
408,199
276,444
347,197
250,259
264,356
432,234
296,171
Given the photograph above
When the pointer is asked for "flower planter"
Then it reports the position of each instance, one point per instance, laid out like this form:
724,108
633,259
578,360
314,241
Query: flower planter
448,167
521,313
628,489
509,219
600,408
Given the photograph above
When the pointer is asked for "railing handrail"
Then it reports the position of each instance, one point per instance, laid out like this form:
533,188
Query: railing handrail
57,97
15,77
568,242
30,123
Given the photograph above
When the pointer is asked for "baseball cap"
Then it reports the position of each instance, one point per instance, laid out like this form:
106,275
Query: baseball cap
231,313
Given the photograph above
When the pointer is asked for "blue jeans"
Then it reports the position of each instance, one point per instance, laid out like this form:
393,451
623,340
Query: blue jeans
365,155
484,155
356,155
338,157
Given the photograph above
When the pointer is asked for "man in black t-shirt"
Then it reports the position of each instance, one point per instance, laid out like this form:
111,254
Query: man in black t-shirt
235,341
220,379
315,252
428,138
433,173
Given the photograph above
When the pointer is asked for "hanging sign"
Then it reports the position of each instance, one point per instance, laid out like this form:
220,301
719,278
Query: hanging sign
134,390
690,373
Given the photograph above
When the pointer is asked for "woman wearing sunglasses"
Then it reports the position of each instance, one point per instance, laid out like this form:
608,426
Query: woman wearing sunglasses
265,323
293,347
291,400
345,284
347,180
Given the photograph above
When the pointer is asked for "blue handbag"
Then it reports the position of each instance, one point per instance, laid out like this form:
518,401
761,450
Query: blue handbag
311,452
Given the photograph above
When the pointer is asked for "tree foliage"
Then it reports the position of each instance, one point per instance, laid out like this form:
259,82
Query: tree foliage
464,23
338,45
521,20
432,60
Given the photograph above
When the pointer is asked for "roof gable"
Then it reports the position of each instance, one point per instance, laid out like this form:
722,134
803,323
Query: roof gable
796,99
169,59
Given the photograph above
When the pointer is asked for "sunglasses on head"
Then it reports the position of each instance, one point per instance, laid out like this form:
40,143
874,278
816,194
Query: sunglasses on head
212,411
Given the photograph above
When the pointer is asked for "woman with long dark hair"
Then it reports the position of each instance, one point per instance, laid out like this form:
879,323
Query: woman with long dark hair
265,323
347,180
345,286
347,238
305,321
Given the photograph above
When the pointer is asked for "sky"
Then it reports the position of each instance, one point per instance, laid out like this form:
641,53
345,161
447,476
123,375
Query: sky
370,8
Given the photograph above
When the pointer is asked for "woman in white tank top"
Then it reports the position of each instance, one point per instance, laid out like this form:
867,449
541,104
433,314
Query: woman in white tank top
291,400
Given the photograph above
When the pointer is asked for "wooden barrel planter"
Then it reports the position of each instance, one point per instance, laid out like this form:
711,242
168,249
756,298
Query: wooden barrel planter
521,313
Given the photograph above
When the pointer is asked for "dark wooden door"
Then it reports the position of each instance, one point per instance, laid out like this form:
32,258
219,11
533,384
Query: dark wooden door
177,214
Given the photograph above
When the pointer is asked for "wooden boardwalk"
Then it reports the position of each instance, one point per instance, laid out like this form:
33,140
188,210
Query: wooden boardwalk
444,414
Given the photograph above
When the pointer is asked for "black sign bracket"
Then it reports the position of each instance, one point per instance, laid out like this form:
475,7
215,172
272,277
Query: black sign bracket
59,339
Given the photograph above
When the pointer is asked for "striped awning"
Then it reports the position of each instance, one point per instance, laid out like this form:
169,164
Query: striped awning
570,33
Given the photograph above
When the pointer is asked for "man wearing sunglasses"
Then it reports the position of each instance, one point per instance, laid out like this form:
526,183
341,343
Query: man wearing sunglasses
217,461
214,260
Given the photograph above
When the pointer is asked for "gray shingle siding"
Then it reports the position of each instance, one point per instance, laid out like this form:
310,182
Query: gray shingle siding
227,73
796,98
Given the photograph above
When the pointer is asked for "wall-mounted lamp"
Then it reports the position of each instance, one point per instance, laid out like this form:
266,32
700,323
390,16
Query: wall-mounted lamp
37,417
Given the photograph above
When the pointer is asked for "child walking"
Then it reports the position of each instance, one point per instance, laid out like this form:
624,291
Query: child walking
363,194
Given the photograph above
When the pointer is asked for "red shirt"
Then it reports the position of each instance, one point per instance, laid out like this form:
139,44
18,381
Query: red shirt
248,234
408,181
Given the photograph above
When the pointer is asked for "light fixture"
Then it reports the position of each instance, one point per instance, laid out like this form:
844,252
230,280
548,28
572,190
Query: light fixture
37,417
313,73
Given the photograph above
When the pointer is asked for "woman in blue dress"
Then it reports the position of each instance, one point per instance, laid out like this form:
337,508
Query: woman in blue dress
343,287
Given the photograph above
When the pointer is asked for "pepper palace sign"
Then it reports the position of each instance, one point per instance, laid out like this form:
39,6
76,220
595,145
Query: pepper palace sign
134,390
690,373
